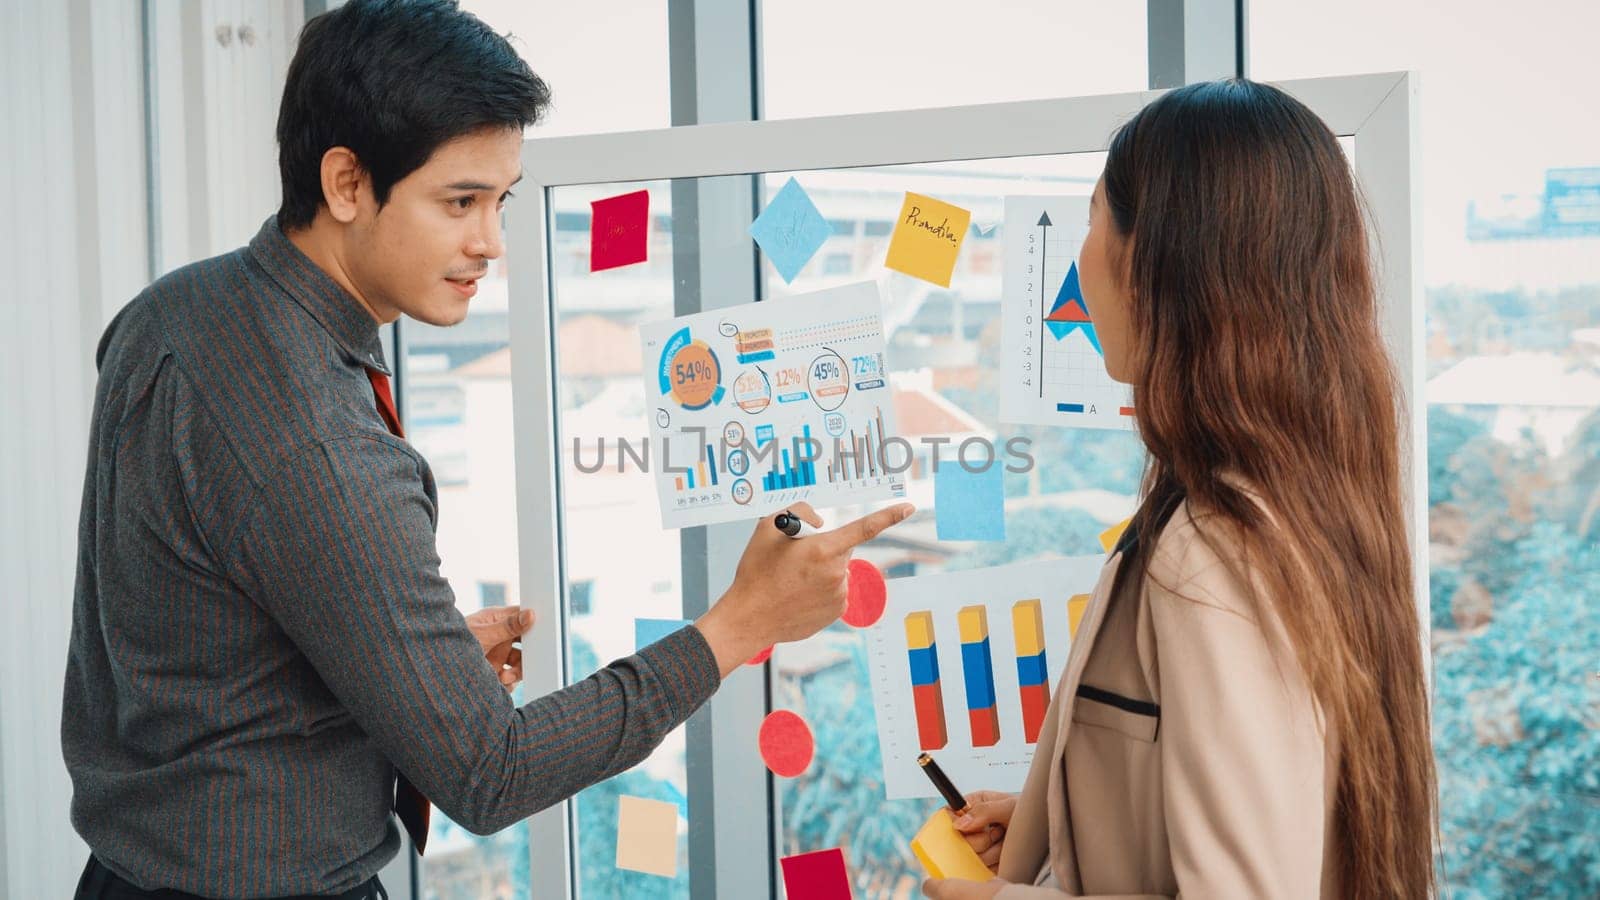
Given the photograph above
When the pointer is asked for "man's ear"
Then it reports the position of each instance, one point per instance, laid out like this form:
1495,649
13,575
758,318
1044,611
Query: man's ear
343,179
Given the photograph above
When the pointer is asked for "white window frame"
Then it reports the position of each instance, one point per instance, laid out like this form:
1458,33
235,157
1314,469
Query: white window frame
1379,111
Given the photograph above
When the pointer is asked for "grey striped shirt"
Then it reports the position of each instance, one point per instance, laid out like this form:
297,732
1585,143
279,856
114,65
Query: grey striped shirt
260,632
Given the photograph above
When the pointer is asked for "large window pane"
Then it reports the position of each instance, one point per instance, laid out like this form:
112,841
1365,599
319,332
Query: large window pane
606,73
1510,163
828,57
620,565
457,411
605,63
944,356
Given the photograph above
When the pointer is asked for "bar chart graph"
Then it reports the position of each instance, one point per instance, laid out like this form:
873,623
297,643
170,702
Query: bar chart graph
927,695
703,474
857,454
977,664
1033,683
984,714
803,413
798,468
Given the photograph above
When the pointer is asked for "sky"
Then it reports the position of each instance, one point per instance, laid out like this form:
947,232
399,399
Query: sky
1507,91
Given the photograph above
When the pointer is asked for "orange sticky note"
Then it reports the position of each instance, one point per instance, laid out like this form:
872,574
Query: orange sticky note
945,853
927,238
647,836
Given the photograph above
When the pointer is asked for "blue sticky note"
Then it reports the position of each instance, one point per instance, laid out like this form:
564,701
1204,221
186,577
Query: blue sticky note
970,506
790,230
648,631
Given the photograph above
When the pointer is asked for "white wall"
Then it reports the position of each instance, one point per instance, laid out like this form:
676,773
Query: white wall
75,243
72,244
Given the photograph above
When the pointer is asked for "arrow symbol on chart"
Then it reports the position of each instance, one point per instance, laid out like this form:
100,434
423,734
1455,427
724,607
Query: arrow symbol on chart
1044,249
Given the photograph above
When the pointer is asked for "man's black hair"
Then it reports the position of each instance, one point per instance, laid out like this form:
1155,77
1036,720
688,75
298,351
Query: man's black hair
392,80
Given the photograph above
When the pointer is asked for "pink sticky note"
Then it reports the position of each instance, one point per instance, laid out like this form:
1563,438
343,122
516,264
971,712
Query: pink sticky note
619,231
786,743
868,595
816,876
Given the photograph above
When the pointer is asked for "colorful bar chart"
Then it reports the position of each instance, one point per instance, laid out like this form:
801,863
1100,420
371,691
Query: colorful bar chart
927,696
702,474
977,665
797,469
1027,629
860,455
1015,614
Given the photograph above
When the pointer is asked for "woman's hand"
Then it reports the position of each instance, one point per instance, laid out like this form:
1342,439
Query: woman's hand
984,826
961,889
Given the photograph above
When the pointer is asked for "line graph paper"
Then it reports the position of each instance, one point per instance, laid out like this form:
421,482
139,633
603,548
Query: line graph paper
1052,369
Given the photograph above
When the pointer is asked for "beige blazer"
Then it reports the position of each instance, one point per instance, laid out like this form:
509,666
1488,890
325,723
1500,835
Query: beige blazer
1183,754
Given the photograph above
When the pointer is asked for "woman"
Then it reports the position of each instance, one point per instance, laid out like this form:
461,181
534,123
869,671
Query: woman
1244,712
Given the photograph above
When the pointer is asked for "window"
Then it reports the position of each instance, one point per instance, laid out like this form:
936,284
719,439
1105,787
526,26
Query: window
944,359
579,596
615,548
1511,231
457,391
905,54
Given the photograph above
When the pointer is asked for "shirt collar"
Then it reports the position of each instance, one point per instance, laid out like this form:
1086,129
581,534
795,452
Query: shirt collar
342,315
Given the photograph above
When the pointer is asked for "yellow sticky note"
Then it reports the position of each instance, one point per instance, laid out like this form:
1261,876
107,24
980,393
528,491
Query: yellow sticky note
1075,608
647,836
927,238
1110,536
945,853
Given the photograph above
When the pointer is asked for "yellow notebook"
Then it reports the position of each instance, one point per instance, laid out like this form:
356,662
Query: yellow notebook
945,853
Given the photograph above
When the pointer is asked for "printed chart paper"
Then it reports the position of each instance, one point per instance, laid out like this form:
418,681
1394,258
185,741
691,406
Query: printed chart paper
1052,364
756,407
962,666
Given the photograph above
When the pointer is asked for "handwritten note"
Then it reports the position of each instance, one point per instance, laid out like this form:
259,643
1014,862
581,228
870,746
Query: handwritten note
927,238
790,230
619,231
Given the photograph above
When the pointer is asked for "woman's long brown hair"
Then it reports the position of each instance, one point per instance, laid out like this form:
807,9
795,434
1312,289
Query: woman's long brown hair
1258,354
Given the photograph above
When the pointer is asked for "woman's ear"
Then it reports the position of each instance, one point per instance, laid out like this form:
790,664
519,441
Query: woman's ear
342,181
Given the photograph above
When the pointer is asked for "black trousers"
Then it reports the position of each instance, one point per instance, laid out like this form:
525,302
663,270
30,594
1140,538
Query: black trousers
100,883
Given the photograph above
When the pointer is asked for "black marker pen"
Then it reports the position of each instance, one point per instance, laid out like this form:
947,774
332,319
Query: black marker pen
791,524
952,797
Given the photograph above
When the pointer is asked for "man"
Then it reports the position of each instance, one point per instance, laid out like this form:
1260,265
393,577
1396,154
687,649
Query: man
265,662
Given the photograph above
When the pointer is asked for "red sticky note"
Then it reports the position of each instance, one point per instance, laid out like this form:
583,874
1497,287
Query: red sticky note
867,596
619,231
816,876
760,658
786,743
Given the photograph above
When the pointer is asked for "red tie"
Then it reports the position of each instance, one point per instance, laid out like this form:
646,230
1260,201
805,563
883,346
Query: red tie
409,804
